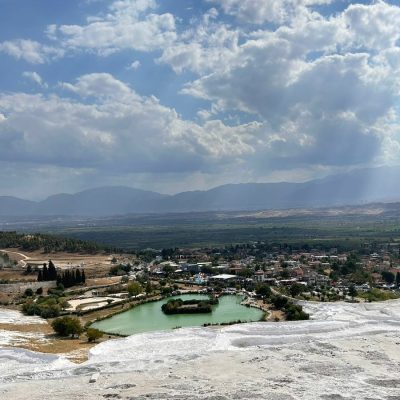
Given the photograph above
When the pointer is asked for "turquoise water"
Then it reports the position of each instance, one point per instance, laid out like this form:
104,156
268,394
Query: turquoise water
149,317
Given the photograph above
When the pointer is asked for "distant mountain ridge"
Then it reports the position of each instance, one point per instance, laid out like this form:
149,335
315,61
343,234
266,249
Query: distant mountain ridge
355,187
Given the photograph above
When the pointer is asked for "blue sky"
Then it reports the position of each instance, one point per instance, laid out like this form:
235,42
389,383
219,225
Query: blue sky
177,95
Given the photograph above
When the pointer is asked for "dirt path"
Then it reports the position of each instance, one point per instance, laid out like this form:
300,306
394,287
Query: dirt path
24,257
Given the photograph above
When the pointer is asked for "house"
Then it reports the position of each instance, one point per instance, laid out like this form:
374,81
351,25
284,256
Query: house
297,272
223,277
259,276
235,269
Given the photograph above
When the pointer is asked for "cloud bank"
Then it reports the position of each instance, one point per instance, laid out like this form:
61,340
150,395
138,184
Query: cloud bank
286,89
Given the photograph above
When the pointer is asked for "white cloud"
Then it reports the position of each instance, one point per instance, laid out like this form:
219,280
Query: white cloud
208,47
134,65
321,84
101,85
375,26
320,91
34,77
30,51
261,11
129,24
117,130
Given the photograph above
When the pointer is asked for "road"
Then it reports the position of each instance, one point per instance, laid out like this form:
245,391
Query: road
23,261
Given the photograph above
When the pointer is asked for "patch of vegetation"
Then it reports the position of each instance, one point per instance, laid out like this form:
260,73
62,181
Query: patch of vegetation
49,243
71,278
46,306
120,270
179,306
67,326
344,232
263,290
66,279
293,312
93,334
296,289
378,295
135,288
5,260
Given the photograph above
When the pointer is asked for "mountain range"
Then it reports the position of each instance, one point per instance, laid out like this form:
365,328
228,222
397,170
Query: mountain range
355,187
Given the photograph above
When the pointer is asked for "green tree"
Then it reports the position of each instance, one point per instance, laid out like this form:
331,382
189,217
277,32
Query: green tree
263,290
169,269
296,289
45,272
351,265
388,276
135,288
246,272
148,288
52,272
352,291
93,334
295,312
279,301
285,273
67,326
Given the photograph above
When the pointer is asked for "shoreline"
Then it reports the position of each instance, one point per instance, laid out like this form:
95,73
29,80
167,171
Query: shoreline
291,361
41,338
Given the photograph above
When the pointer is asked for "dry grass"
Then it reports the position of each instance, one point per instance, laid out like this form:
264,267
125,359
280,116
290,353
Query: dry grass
27,328
96,265
75,350
5,298
276,315
13,275
103,281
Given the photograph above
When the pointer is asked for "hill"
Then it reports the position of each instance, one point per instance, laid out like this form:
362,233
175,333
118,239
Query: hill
355,187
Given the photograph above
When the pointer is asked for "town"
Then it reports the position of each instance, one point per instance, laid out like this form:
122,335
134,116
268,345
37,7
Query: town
62,283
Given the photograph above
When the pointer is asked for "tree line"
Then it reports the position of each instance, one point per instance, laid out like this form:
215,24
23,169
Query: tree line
67,278
50,243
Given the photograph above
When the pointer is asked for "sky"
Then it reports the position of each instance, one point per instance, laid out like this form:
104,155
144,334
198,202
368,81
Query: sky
175,95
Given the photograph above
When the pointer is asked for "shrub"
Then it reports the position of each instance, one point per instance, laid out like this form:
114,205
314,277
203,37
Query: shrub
93,334
66,326
119,270
178,306
263,290
56,292
45,307
279,301
296,289
378,295
295,313
135,288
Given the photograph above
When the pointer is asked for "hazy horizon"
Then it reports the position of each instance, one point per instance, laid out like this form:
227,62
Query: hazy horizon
374,173
180,95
